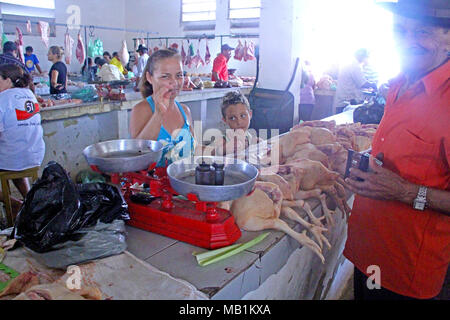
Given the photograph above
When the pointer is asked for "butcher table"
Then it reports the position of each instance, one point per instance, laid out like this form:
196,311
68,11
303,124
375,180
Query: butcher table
276,268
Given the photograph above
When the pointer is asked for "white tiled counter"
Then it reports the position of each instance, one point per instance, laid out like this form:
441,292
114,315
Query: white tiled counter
276,268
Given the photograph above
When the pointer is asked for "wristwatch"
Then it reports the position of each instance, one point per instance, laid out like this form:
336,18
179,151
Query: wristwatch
421,200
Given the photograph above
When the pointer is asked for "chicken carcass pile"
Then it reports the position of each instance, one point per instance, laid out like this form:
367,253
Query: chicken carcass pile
312,159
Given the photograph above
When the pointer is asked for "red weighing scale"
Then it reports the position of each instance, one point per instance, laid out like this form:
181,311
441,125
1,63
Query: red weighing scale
161,210
161,200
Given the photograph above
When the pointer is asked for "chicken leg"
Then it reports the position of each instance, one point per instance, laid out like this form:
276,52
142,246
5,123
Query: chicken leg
314,229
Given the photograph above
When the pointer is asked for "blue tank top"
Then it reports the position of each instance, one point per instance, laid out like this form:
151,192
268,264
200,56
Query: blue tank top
181,146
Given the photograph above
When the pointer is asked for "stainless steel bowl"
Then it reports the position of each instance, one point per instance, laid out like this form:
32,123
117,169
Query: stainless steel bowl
123,155
180,175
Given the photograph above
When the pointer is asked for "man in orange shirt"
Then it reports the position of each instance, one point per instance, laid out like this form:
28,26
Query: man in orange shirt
399,229
220,68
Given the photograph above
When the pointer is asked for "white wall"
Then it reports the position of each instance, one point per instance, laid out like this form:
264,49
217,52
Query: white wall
161,16
281,46
109,13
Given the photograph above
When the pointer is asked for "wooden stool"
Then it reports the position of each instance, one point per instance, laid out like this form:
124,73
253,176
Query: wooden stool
5,176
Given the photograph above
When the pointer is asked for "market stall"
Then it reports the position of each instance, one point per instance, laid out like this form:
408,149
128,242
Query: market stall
275,268
72,127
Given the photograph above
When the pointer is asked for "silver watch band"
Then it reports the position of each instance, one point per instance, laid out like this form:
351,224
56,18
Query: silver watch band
422,192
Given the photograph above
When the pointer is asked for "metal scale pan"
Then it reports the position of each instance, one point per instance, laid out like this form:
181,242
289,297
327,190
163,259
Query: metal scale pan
123,155
240,178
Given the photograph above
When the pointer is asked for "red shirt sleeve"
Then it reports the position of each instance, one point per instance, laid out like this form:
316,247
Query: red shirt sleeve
218,66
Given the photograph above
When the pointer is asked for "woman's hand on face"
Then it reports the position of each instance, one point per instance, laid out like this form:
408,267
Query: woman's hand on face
162,100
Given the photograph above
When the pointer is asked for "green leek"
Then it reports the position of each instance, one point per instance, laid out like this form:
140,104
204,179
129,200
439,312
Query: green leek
208,257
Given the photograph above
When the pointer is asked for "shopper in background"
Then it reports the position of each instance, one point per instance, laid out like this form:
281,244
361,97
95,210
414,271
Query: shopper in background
58,71
159,116
141,63
21,137
108,72
89,69
9,55
351,82
307,98
116,62
399,229
220,68
107,56
31,61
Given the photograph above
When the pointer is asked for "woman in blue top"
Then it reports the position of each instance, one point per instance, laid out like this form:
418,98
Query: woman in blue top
159,116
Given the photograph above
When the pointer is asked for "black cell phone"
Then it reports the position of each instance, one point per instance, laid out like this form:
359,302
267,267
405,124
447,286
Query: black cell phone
357,160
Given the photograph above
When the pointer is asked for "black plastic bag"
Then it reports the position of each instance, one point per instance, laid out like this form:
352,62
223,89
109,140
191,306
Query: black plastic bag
370,112
101,202
54,209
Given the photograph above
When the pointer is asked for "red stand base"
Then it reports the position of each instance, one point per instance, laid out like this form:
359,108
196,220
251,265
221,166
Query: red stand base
199,223
185,223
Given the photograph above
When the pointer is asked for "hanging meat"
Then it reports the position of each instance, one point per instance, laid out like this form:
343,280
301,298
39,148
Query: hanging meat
29,26
19,44
249,51
43,28
190,55
124,55
68,45
183,54
207,54
239,51
174,46
80,52
197,59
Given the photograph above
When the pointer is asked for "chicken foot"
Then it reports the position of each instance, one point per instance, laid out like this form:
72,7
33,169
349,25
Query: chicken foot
317,193
340,202
302,238
326,211
316,230
305,206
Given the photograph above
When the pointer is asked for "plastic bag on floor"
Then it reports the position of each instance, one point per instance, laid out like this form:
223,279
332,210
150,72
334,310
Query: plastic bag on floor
96,242
55,208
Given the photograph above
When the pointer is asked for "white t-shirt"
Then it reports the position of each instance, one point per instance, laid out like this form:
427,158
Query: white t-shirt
350,80
21,136
142,62
109,72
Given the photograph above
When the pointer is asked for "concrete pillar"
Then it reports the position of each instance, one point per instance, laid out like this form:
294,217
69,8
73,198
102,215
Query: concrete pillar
280,45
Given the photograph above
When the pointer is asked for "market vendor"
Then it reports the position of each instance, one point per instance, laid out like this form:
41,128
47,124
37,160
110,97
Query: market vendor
220,68
31,61
141,63
116,62
399,229
108,72
352,81
58,71
159,116
21,137
107,56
